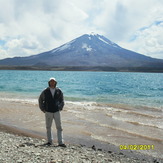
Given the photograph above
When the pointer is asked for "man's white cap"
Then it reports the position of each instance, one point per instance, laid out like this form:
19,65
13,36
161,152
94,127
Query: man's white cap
52,79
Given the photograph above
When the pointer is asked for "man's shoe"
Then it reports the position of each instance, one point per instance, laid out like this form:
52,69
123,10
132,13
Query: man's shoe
48,144
62,145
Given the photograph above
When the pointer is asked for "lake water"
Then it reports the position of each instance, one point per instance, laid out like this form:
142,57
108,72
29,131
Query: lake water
135,89
119,104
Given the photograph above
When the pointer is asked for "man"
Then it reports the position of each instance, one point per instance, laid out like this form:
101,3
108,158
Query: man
51,102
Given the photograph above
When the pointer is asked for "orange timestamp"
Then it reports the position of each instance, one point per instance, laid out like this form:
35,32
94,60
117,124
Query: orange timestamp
136,147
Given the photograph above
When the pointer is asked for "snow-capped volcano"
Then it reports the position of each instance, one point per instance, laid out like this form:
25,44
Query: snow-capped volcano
86,43
86,50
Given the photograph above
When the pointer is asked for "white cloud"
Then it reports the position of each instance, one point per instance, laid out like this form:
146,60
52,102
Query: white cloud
3,53
149,41
31,27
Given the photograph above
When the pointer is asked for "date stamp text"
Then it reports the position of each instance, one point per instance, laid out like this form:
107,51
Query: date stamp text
136,147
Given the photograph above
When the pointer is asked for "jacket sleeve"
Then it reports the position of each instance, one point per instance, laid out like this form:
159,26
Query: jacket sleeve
41,101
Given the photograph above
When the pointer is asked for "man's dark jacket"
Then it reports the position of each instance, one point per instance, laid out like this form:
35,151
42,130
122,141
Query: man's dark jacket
48,103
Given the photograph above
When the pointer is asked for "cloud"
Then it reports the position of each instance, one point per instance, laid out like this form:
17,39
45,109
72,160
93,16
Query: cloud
48,23
126,21
149,40
31,27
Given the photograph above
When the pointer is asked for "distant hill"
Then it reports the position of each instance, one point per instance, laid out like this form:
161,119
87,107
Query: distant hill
86,50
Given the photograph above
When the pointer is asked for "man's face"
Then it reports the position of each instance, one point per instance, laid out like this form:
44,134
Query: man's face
52,84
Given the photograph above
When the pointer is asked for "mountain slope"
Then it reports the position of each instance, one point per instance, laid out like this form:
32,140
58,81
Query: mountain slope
86,50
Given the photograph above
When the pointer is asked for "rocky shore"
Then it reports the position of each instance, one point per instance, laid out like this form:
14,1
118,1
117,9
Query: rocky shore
22,149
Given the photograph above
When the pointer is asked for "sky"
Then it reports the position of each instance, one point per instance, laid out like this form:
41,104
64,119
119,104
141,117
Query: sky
29,27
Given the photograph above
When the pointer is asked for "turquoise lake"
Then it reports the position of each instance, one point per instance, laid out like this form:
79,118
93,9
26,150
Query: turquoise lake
145,89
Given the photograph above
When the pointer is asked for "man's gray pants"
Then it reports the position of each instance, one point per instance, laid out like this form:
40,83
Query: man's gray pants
49,119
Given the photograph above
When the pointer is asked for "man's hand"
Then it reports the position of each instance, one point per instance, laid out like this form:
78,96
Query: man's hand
43,111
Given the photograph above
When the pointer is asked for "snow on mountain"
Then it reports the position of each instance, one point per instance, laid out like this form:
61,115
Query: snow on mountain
108,42
63,47
86,47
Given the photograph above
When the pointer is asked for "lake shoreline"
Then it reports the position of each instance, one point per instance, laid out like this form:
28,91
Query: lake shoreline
80,68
